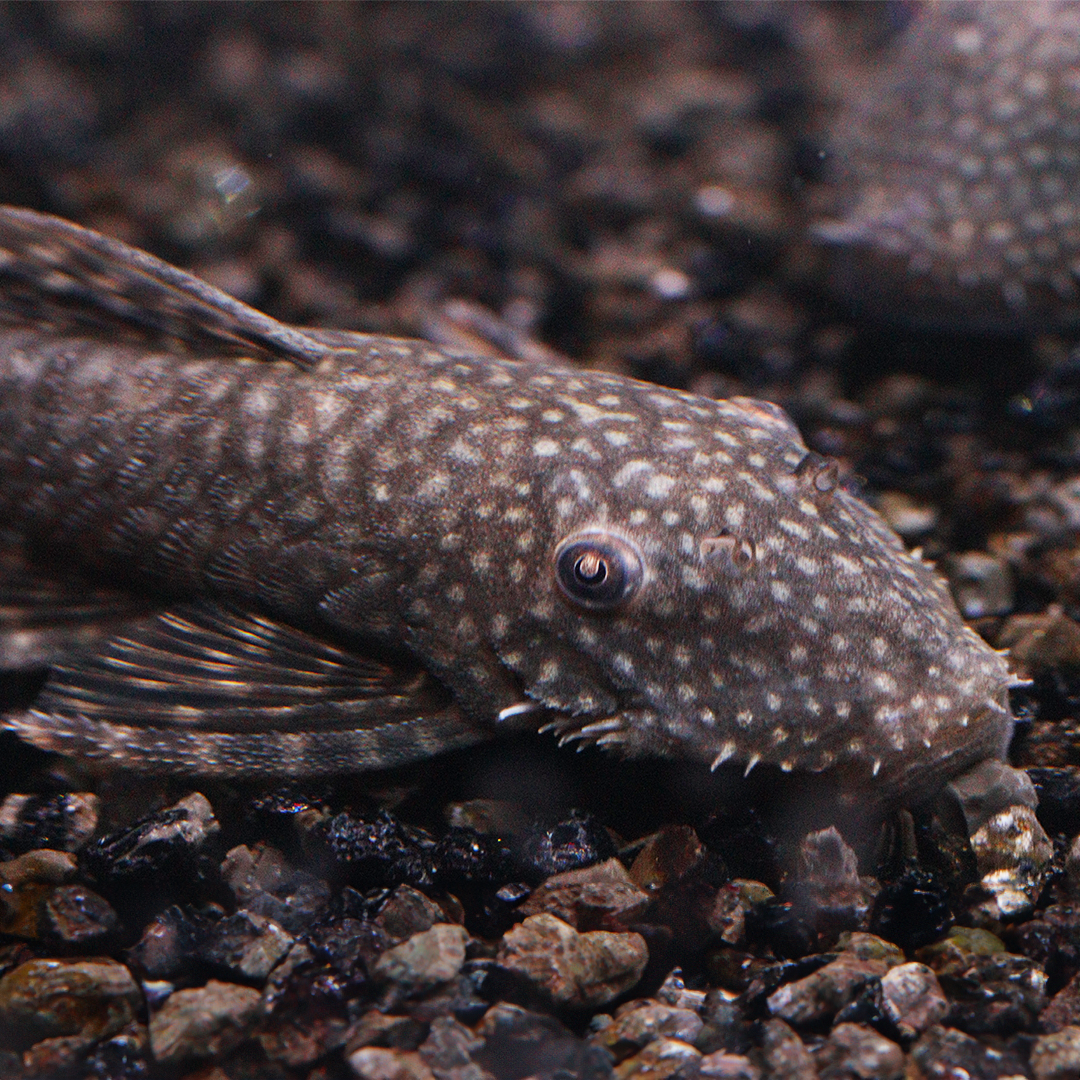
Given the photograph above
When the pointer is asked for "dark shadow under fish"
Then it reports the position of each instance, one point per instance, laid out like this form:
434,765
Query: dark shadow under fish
243,548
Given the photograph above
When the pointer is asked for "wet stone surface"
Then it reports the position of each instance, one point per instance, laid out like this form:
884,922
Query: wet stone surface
632,188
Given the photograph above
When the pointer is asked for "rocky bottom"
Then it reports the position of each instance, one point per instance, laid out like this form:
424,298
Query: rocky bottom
239,934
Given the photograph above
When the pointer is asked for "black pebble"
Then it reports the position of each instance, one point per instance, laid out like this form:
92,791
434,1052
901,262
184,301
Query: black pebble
912,911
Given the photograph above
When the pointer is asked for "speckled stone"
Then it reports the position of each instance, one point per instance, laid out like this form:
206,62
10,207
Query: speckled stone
598,897
911,997
660,1060
427,959
1057,1056
784,1054
638,1023
204,1022
45,999
857,1052
573,970
822,994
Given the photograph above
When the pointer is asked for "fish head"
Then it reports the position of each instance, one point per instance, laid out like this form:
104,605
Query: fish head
710,591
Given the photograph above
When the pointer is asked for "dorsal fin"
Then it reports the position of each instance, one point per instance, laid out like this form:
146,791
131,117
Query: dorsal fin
56,272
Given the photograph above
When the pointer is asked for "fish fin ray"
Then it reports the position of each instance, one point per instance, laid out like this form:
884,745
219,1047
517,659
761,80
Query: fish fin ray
106,744
45,615
54,270
208,666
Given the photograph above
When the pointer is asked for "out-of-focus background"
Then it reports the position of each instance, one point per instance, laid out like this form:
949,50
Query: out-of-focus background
629,186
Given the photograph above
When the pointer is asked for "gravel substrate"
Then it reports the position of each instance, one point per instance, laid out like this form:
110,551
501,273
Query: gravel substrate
628,187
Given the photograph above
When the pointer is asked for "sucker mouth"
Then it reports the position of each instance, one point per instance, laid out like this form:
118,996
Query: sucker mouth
921,775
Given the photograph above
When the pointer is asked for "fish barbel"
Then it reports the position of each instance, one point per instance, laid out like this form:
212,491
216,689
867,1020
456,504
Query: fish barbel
245,548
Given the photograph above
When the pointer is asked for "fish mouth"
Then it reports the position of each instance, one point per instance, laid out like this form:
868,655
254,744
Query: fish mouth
912,777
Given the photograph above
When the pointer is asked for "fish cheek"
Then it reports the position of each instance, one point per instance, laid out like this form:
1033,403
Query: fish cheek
554,671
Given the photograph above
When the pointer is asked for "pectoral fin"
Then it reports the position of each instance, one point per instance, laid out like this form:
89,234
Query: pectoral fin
46,616
213,689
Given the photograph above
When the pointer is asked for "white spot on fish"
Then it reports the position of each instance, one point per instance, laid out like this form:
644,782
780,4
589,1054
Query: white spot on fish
549,670
629,471
734,513
659,486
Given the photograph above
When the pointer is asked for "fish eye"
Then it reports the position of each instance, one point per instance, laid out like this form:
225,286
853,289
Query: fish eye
597,571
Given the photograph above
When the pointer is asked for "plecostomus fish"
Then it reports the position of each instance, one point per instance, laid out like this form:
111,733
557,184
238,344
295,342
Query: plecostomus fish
955,171
244,548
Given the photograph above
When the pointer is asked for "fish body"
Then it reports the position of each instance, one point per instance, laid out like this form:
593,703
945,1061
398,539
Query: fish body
242,548
955,178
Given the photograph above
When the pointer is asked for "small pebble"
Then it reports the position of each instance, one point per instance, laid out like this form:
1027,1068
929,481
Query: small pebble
638,1023
661,1059
408,912
25,884
988,789
244,946
46,999
169,943
1057,1056
909,518
204,1022
999,994
943,1053
577,971
981,584
1013,853
425,960
830,896
912,999
160,849
724,1066
75,917
577,842
1043,642
372,1063
856,1052
598,897
449,1046
65,822
824,993
784,1054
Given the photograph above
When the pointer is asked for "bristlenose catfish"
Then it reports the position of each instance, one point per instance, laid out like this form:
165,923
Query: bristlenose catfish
242,548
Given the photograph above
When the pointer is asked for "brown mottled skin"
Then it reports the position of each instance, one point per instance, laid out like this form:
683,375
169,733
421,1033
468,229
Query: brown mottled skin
955,169
243,548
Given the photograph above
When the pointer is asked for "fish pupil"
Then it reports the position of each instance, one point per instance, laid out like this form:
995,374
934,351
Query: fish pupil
590,569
